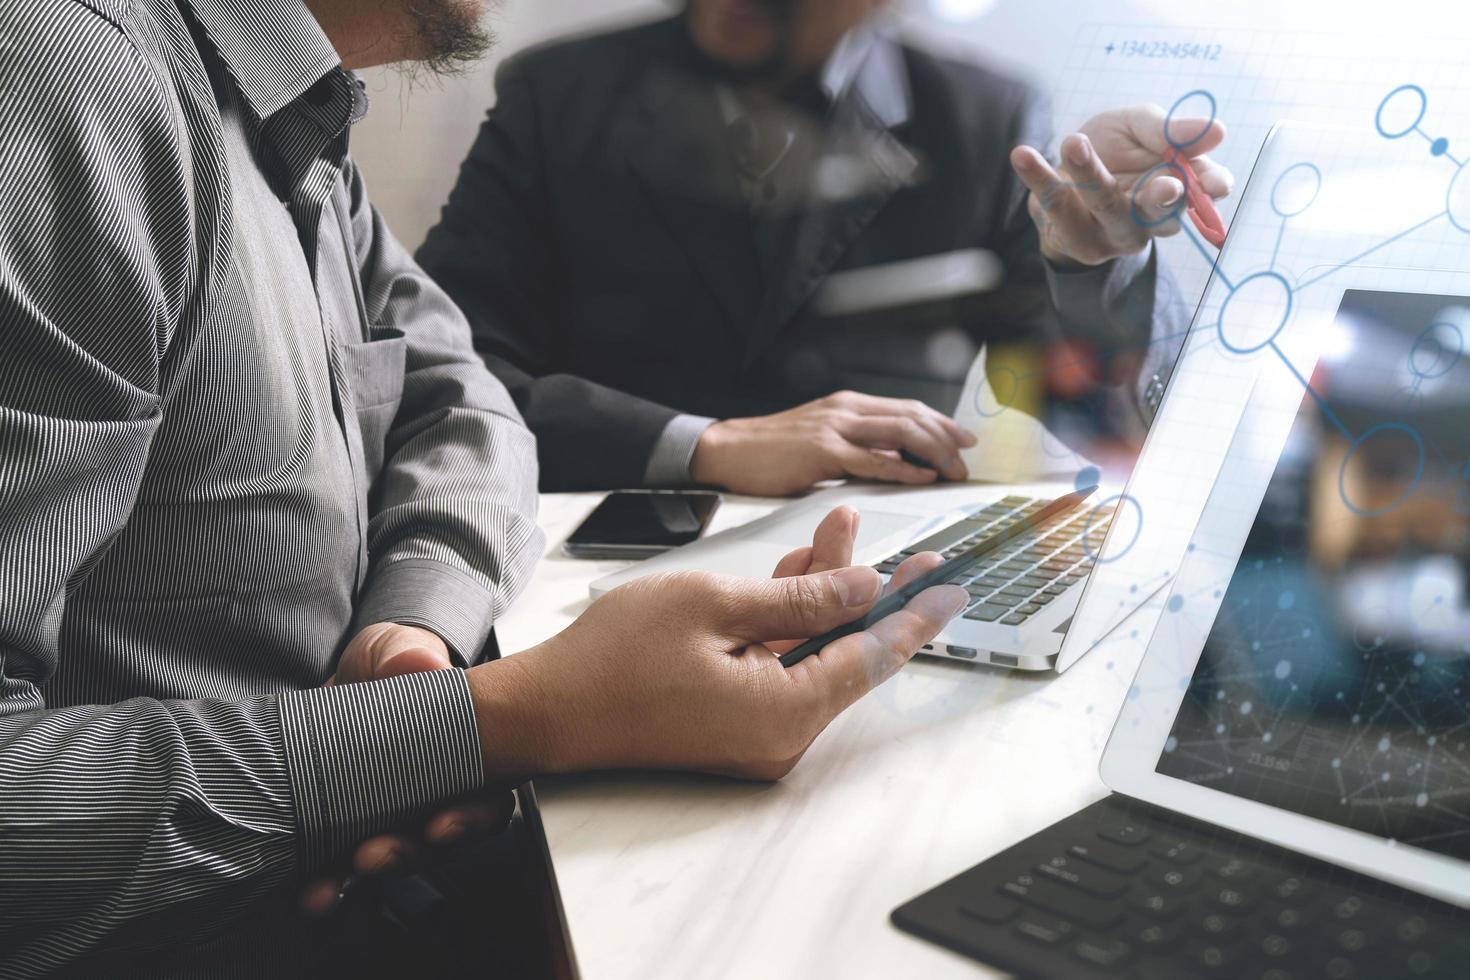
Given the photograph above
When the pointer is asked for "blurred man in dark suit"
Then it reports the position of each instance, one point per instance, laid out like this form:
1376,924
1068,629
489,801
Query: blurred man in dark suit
642,232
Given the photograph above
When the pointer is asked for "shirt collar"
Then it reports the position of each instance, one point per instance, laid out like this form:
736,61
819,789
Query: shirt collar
845,61
275,49
868,63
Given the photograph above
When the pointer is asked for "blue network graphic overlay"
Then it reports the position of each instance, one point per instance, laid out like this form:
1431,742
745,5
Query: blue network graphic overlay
1335,677
1243,330
1240,325
1259,303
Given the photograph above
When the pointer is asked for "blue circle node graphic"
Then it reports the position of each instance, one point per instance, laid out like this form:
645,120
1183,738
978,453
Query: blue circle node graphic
1185,144
1088,476
1142,182
1409,488
1268,291
1414,94
1436,350
1003,379
1457,199
1439,146
1114,505
1296,189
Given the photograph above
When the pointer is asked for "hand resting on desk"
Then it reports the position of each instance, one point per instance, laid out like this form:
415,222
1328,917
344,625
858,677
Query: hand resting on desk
846,434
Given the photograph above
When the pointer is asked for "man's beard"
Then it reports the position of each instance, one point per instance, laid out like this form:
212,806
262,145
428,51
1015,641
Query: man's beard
450,35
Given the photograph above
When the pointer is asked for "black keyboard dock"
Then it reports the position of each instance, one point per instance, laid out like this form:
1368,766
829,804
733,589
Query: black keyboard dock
1122,889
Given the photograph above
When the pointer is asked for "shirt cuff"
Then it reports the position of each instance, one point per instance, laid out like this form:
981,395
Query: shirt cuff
1104,297
1088,282
363,758
668,466
431,594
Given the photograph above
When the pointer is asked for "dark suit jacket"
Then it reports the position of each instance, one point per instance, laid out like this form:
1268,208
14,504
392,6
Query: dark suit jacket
601,245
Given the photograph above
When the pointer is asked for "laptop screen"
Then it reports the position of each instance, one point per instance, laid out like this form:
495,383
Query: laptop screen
1335,681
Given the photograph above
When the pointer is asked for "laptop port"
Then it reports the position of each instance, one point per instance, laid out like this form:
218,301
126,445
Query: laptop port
1005,660
964,652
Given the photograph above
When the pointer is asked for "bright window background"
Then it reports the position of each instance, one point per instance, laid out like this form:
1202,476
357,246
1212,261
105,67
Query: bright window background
418,132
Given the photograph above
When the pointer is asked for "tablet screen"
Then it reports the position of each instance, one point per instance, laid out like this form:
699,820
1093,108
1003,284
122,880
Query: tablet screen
1335,681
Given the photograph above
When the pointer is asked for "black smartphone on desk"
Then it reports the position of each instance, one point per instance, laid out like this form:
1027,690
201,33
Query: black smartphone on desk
642,523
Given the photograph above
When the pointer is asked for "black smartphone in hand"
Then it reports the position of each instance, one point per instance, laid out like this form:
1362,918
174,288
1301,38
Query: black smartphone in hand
642,523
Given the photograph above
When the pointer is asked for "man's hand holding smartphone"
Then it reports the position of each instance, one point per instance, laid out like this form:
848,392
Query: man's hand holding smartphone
681,671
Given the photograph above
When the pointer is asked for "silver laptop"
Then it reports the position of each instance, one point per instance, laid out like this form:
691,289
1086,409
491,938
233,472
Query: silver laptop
1023,596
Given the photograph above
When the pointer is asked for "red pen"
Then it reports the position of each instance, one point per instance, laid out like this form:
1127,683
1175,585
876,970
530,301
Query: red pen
1201,208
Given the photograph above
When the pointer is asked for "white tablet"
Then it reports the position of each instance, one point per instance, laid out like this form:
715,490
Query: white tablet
1308,683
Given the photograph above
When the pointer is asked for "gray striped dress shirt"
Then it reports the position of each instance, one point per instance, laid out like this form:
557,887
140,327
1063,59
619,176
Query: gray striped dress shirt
237,424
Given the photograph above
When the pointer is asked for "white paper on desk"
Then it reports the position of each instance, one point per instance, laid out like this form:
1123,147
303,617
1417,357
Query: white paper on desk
1013,447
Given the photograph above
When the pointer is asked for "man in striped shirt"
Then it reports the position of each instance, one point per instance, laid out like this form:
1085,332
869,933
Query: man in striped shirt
245,445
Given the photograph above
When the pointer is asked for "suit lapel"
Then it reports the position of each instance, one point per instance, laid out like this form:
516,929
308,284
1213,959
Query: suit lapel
880,165
861,166
680,157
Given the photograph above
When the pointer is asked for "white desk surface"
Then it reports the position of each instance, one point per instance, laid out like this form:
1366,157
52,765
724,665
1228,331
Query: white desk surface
686,876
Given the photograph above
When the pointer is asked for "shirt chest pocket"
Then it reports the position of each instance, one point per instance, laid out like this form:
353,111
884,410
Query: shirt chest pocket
375,370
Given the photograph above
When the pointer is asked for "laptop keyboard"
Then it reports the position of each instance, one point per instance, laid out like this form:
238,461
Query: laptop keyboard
1124,890
1025,575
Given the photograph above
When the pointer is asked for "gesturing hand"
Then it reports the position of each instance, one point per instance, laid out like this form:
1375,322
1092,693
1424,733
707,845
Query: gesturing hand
1095,209
842,435
387,650
680,671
